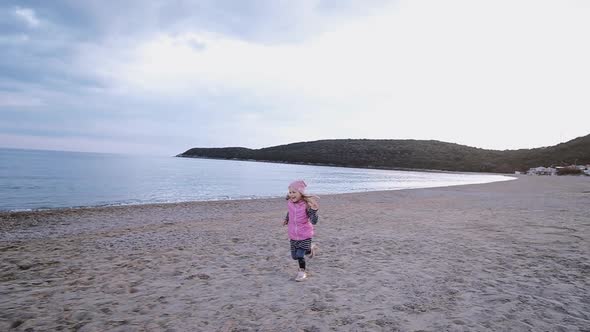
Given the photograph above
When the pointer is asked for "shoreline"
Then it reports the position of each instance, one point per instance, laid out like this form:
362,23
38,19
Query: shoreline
510,177
501,256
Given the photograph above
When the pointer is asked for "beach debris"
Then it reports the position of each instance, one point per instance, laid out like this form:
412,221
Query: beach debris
16,324
318,306
203,276
25,265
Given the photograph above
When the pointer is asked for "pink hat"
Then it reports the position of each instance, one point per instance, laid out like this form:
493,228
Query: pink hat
298,185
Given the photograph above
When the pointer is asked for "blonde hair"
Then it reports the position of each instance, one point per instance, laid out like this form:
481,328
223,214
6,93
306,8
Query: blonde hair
309,199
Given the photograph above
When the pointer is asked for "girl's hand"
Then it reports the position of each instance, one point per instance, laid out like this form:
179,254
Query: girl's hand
285,223
313,205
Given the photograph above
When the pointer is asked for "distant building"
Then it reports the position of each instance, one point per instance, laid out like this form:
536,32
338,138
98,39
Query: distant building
559,170
542,171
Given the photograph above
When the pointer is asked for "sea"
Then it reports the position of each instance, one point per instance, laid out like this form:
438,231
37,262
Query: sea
38,180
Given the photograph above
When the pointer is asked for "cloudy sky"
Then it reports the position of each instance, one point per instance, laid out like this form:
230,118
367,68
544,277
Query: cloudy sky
159,77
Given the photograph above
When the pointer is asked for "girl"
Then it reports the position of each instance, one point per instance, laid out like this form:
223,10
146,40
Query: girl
300,219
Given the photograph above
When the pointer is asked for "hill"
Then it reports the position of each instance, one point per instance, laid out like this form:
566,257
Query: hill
407,154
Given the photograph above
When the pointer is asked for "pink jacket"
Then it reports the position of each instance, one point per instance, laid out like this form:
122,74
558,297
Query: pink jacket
299,226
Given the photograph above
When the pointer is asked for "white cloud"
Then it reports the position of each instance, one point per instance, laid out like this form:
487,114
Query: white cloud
28,16
456,70
501,74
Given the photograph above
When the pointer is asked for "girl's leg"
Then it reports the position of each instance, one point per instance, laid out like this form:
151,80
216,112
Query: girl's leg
313,251
301,263
299,255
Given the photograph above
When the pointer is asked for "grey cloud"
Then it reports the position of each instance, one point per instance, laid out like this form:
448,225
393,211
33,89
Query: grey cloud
47,54
43,67
265,21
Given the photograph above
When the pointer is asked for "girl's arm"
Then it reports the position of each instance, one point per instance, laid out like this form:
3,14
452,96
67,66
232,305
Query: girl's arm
286,220
313,215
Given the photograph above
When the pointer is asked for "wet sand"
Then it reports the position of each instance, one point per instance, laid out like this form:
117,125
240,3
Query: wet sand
505,256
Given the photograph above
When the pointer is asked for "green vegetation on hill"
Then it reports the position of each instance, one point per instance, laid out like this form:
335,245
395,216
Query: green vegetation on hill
407,154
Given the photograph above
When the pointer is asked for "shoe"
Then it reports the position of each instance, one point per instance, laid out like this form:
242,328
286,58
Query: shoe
301,275
314,250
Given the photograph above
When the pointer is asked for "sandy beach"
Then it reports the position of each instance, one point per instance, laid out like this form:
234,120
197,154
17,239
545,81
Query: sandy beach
505,256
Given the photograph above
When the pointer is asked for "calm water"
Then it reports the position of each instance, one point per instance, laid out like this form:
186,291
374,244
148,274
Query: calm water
31,179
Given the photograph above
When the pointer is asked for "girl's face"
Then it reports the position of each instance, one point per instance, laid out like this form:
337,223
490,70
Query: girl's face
294,196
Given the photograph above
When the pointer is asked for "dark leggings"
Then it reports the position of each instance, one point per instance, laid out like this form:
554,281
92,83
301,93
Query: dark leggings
299,255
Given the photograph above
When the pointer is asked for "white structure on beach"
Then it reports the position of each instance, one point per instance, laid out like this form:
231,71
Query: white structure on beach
583,169
542,171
